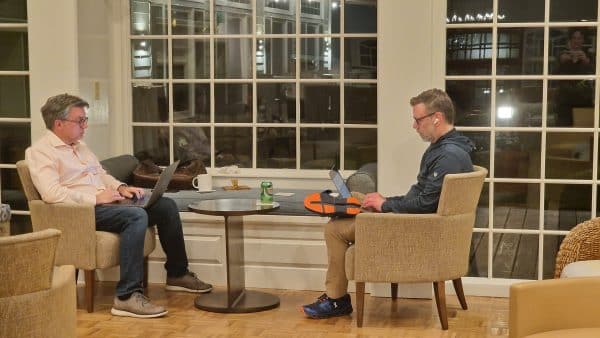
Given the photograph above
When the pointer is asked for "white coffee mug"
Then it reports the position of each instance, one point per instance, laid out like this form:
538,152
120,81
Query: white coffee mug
202,182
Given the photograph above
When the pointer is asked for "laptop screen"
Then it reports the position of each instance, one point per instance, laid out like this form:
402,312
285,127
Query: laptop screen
339,183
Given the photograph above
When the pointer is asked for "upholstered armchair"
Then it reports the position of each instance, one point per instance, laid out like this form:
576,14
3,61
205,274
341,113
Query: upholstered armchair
566,307
80,244
579,253
393,248
36,298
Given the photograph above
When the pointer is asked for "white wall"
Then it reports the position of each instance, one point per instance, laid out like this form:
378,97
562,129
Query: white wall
53,55
94,71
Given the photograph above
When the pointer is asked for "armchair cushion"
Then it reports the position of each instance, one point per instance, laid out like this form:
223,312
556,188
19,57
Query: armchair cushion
121,167
364,180
581,269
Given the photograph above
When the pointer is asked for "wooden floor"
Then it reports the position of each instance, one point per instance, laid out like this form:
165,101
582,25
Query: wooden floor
486,317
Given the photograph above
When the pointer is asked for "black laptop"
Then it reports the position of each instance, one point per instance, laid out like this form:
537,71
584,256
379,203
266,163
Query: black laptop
339,183
148,199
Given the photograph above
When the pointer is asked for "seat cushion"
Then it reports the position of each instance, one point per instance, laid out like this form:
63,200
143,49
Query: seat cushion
569,333
107,247
581,269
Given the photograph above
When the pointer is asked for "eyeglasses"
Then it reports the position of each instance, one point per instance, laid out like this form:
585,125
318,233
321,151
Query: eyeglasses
419,119
82,121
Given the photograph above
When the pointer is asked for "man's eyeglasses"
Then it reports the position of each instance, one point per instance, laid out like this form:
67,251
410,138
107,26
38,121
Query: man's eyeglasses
419,119
82,121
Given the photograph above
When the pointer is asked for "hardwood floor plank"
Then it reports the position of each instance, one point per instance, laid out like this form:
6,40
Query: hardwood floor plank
382,318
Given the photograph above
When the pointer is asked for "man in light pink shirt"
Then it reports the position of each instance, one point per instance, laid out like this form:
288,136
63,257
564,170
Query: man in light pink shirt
64,170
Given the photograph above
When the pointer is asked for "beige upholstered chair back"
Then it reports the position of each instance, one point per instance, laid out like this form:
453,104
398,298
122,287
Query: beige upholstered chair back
460,192
582,243
419,247
30,191
27,262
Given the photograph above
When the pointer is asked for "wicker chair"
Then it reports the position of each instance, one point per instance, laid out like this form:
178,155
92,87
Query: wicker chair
581,244
406,248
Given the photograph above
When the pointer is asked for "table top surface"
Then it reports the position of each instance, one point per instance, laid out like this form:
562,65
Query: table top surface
231,207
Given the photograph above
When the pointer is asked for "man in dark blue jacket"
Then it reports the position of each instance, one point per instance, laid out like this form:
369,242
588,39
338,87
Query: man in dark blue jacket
448,153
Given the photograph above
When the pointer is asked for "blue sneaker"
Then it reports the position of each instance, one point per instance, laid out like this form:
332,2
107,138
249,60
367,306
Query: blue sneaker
326,307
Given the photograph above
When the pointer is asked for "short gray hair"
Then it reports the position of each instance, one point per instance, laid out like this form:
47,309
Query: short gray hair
57,107
436,100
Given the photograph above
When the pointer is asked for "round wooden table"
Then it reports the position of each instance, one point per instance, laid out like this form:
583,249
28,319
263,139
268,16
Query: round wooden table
235,299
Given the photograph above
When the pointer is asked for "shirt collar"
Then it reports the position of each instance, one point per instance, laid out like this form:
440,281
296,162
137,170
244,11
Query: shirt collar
56,142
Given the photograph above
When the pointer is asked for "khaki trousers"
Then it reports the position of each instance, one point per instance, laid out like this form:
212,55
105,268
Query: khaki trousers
339,234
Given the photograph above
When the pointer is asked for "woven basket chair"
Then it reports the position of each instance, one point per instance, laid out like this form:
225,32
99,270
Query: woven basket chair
581,244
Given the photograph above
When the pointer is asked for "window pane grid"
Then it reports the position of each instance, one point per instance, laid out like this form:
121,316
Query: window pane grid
228,22
568,148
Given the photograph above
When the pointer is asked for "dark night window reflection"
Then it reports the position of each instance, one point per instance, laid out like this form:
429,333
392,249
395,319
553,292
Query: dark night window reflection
361,58
520,51
151,143
320,103
519,103
360,103
319,148
567,10
149,59
14,95
569,155
12,190
233,102
192,143
191,102
469,51
472,101
482,214
13,11
481,155
14,139
566,205
466,11
517,154
276,102
275,58
572,51
276,148
233,146
360,147
571,103
361,16
150,102
520,10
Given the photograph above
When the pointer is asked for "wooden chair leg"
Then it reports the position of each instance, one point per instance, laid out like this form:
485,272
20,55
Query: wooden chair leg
459,292
76,275
394,288
440,300
90,277
360,302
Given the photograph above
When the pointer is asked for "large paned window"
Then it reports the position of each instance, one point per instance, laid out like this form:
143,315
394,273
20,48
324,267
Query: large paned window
15,121
524,79
261,84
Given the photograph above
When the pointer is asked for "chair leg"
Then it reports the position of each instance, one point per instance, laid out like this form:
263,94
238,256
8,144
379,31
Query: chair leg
360,302
459,292
89,289
145,282
440,300
76,275
394,288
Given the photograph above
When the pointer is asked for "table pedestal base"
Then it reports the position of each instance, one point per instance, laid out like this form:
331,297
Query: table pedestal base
248,301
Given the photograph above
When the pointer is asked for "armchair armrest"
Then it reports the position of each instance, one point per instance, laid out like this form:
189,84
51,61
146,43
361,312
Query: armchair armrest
554,304
412,247
77,245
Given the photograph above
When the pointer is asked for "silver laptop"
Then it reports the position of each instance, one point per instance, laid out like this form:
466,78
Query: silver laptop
339,183
148,199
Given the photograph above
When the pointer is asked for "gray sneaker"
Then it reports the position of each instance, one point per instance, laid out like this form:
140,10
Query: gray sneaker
188,283
138,306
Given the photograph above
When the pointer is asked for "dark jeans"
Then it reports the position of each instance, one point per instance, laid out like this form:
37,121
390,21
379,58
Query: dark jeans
131,224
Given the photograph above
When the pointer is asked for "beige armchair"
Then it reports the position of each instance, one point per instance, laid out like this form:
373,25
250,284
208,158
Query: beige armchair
36,298
562,308
434,248
80,244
